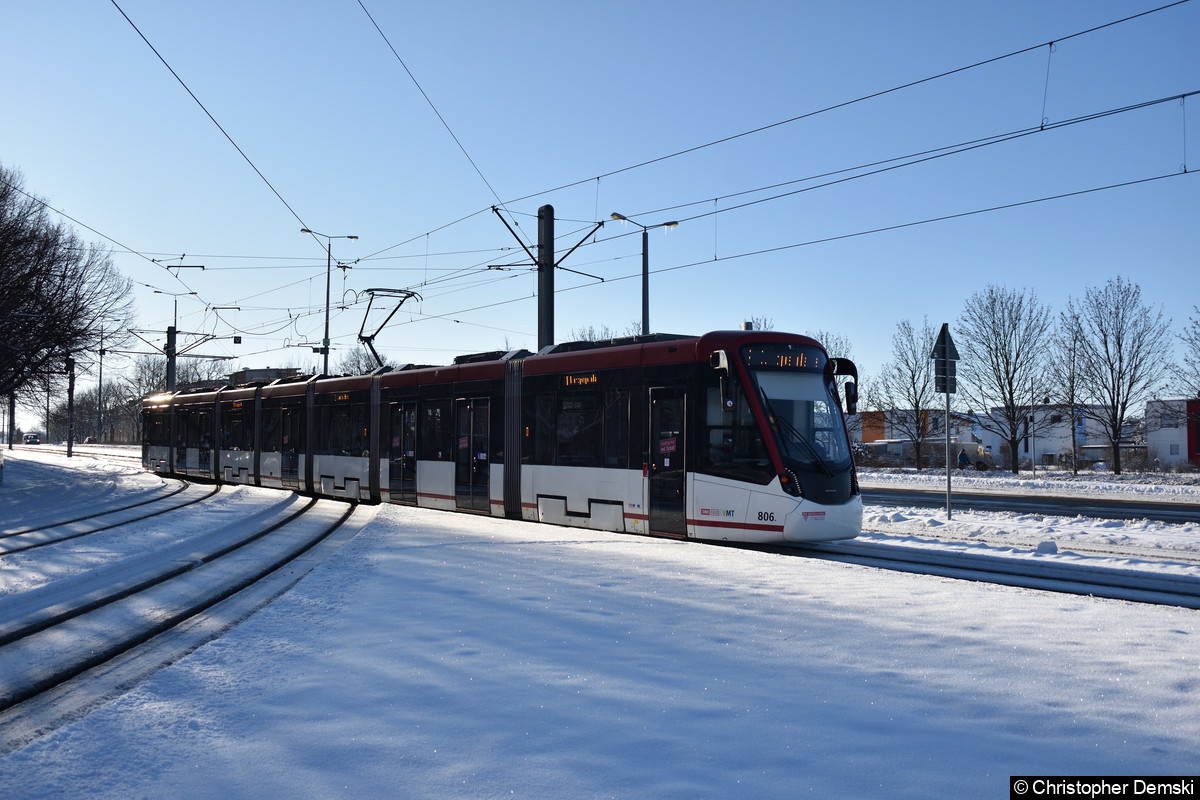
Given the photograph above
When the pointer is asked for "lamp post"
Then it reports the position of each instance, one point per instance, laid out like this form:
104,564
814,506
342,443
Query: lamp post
328,267
645,264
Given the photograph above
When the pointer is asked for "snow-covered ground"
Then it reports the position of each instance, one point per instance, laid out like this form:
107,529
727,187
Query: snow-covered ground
1100,541
1159,487
444,655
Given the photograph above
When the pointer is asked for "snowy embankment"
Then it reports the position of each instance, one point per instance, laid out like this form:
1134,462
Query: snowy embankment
1124,539
1156,486
447,655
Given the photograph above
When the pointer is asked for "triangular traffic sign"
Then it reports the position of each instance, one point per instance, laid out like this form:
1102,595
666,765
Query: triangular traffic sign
944,349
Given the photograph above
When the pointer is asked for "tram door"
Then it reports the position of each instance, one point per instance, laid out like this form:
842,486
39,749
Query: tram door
402,453
291,445
471,464
668,448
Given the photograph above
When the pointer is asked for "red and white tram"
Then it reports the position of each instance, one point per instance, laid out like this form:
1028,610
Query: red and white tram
734,435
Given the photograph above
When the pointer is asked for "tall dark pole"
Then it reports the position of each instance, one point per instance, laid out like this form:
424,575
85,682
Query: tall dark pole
645,281
949,458
169,350
100,395
70,404
328,267
545,262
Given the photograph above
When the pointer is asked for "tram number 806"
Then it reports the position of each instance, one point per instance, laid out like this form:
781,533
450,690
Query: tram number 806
766,516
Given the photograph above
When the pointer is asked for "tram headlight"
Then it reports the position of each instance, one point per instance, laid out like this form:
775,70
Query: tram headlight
787,480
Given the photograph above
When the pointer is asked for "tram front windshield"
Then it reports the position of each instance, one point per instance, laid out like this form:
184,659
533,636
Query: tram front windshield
805,417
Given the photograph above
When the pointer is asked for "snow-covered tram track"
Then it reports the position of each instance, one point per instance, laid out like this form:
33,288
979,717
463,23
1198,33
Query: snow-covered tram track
1109,582
88,452
28,538
59,643
1149,553
152,498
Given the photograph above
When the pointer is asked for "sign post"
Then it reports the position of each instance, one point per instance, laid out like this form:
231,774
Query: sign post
944,356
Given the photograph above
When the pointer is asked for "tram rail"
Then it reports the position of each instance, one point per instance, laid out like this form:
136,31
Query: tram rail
22,538
58,642
1116,583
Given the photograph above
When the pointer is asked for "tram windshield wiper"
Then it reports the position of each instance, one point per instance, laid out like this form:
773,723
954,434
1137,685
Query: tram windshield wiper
790,431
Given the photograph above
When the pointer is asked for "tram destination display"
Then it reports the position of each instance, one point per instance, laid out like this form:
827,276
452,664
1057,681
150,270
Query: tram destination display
784,356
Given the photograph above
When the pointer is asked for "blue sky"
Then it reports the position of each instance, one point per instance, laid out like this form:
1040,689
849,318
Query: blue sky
543,95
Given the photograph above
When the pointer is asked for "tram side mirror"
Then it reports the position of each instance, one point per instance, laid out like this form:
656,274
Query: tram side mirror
720,363
844,366
851,397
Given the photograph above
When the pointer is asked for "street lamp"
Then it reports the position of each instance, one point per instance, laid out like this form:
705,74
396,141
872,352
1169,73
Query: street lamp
328,266
645,264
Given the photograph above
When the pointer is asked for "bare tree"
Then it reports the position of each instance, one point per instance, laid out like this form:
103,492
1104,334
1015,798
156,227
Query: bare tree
38,393
837,345
144,375
1066,364
58,295
1003,339
761,323
358,361
1122,355
906,388
603,333
208,371
1188,371
85,414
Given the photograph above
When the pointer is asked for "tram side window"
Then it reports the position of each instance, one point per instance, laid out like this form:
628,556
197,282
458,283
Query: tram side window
437,435
403,425
582,429
231,429
360,440
202,435
158,428
543,430
616,428
193,429
323,436
270,430
733,443
237,432
340,430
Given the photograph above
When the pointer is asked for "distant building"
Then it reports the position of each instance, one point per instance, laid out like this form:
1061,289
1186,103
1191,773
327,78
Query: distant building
1168,437
1173,432
1048,444
885,437
264,375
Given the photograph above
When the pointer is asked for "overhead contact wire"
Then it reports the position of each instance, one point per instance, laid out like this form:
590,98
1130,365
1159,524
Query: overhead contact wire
241,152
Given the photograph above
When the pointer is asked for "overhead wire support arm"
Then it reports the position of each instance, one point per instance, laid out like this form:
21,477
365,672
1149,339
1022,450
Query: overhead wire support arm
558,263
577,272
524,247
546,264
